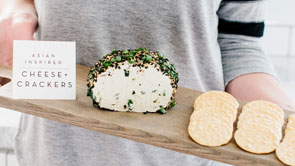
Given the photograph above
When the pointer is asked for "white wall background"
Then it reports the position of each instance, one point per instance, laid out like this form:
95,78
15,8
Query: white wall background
279,40
280,20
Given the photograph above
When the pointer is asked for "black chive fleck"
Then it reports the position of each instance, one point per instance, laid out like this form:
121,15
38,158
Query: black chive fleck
126,72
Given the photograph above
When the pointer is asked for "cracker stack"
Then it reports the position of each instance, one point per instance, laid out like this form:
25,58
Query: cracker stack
259,128
211,123
286,150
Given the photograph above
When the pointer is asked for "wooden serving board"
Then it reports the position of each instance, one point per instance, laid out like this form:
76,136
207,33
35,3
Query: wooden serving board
166,131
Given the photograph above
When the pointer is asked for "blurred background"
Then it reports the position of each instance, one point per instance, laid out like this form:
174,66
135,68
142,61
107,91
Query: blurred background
278,43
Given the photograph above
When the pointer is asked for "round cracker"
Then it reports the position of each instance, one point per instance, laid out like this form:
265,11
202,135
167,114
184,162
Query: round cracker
286,150
266,107
248,115
272,126
291,118
210,131
259,119
215,98
257,139
291,124
225,113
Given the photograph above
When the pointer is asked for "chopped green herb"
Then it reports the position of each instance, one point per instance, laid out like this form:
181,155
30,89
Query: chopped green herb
126,73
142,49
161,110
131,61
114,51
160,55
132,52
118,58
128,56
90,93
142,92
172,104
147,58
130,104
107,63
125,52
164,93
154,91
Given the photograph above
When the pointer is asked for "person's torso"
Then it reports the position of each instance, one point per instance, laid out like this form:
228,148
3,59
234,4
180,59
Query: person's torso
184,31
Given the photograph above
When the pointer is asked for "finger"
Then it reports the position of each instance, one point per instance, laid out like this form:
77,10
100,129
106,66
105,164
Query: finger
23,30
6,60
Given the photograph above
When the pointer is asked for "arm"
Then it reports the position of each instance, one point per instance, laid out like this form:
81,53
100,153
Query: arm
257,86
248,72
18,21
11,7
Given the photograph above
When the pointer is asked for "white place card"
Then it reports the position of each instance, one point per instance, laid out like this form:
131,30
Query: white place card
44,70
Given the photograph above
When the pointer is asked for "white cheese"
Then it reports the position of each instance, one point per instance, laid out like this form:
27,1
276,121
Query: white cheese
142,90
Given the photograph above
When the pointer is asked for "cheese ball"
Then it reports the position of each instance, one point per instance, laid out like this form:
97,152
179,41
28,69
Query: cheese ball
137,80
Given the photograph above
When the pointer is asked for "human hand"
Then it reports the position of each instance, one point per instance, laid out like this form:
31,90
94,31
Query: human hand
260,86
15,26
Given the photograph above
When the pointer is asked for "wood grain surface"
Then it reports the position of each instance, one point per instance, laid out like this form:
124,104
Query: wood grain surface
166,131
